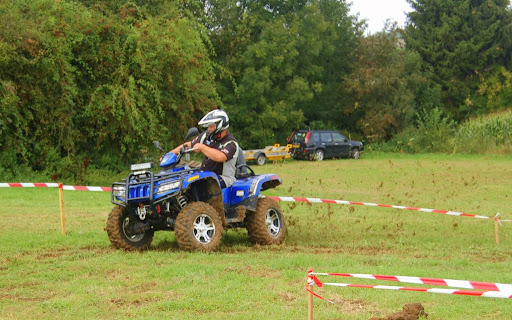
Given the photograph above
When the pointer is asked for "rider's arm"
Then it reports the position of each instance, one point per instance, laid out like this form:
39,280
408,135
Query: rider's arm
213,154
189,144
176,150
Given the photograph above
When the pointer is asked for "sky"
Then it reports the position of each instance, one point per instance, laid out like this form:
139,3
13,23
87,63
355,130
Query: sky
376,12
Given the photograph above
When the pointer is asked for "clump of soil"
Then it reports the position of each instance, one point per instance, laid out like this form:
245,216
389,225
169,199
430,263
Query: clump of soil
411,311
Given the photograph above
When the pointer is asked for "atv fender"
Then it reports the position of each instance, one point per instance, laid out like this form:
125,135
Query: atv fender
246,191
199,175
263,182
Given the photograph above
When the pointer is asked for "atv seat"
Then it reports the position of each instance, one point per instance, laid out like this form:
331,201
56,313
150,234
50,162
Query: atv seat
243,171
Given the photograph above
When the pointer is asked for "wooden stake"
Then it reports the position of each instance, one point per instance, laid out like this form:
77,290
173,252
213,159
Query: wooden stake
310,298
496,221
62,214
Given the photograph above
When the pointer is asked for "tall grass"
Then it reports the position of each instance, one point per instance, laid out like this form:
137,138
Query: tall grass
435,132
44,275
490,133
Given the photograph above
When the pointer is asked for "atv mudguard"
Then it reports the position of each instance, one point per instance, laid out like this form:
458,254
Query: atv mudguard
196,176
246,191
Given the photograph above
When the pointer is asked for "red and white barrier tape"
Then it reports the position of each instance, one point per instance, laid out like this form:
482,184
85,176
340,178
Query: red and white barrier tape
85,188
503,287
28,184
313,280
53,185
292,199
487,294
318,200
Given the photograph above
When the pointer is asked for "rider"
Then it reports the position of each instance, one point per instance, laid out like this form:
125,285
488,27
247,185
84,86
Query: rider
218,146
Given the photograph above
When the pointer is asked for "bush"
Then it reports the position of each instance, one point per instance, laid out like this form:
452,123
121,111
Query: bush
433,133
490,134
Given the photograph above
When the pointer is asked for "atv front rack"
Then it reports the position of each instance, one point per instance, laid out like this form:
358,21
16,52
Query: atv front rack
141,187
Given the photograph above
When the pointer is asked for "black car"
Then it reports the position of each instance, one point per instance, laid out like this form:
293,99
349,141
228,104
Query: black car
321,144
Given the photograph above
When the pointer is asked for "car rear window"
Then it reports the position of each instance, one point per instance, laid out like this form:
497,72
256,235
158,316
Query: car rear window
298,137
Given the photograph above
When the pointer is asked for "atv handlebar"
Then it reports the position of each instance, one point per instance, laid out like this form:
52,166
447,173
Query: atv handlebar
183,150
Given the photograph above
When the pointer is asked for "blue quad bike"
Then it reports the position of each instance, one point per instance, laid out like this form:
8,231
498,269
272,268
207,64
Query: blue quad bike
191,202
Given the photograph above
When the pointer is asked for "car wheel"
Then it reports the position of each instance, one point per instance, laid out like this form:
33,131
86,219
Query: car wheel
261,159
355,153
319,155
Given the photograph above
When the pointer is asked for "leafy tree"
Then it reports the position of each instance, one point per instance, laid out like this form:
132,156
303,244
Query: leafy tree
281,63
82,85
381,90
332,46
494,90
458,40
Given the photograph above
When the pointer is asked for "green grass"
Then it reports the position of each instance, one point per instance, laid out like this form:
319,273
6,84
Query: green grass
44,275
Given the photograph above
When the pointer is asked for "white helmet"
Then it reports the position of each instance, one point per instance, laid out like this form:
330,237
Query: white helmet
218,117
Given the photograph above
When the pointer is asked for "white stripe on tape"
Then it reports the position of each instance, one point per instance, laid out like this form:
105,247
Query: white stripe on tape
364,276
409,279
27,184
458,284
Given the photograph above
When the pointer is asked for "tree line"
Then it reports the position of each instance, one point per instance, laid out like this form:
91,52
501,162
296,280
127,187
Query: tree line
95,82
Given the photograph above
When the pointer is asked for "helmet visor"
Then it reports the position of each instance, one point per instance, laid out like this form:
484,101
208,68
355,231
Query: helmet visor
210,127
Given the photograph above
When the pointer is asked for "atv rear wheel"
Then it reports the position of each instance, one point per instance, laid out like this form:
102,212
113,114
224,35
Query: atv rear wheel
266,225
120,233
198,227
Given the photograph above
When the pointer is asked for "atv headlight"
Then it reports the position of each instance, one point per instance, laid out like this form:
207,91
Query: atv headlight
120,191
166,186
141,166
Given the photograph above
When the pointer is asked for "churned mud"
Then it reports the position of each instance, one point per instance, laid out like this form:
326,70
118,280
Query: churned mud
411,311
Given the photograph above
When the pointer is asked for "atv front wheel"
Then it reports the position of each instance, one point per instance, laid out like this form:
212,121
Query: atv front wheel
120,231
266,225
198,227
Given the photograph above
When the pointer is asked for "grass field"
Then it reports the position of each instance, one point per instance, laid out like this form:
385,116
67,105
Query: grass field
44,275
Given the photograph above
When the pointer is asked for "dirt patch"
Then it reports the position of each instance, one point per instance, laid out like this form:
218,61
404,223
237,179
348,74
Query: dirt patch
286,297
98,250
254,273
340,249
17,297
51,254
411,311
354,306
